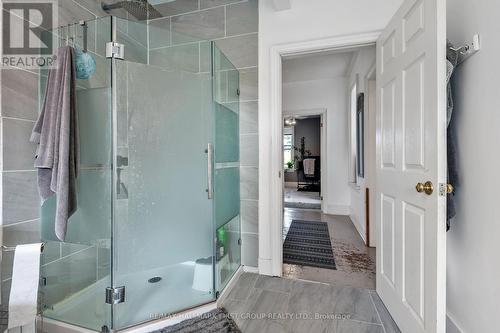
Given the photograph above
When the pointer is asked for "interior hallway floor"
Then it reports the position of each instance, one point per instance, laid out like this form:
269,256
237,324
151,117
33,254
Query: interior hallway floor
261,304
301,199
355,261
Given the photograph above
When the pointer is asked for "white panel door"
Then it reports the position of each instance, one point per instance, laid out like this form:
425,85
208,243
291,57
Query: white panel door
411,149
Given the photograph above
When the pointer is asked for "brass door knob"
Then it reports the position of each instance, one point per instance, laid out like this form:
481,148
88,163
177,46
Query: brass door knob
449,188
427,188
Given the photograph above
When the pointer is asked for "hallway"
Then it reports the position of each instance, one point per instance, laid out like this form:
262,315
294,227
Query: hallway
355,261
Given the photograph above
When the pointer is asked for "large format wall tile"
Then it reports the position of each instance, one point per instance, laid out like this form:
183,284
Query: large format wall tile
19,233
249,146
159,33
214,3
19,94
241,50
202,25
176,7
249,117
242,18
93,6
249,84
249,188
71,12
249,249
18,151
183,57
20,197
249,216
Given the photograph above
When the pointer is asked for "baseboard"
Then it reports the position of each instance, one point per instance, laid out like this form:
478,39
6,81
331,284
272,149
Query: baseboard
251,269
265,267
452,326
338,209
360,229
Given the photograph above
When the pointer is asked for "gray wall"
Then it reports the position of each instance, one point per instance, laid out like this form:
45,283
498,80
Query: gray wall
233,24
310,129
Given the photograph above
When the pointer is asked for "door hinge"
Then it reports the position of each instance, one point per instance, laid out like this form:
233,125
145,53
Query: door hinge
239,241
115,50
442,190
321,198
115,295
320,124
238,92
43,281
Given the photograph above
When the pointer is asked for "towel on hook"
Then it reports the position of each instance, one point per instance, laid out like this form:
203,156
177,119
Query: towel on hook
451,63
56,133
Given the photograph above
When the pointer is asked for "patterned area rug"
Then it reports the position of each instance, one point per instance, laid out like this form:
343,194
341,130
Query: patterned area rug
215,321
308,243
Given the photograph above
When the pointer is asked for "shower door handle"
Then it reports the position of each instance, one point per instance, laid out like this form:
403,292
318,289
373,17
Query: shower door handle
210,170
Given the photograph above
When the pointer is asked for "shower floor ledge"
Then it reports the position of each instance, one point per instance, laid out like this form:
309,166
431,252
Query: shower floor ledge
55,326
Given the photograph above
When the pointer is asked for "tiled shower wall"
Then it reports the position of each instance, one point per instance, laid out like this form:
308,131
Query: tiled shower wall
232,23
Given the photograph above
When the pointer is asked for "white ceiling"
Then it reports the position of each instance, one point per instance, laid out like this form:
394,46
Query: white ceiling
316,66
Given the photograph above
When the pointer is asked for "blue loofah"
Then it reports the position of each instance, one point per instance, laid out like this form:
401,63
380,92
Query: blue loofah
85,64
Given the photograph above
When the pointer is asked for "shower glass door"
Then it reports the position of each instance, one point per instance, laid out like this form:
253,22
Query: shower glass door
176,177
226,79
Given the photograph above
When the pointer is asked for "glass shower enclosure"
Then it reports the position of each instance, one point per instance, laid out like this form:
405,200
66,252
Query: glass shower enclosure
157,229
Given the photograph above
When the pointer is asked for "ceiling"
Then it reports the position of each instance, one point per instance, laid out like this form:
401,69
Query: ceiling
318,66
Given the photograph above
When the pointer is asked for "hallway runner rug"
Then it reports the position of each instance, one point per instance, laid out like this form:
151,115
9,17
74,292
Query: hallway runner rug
308,243
215,321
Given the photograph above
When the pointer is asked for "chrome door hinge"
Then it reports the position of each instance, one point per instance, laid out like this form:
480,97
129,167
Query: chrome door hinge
239,241
115,295
43,281
115,50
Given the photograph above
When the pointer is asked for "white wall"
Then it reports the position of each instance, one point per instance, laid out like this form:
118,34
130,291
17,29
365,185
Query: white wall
363,62
473,266
329,94
306,20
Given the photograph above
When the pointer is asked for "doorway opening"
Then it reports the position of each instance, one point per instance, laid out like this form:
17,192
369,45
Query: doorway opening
302,142
328,161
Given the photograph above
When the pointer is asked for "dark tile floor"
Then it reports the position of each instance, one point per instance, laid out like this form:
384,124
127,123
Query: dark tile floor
262,304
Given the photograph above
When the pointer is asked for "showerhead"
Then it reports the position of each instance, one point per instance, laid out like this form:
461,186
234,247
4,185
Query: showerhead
140,9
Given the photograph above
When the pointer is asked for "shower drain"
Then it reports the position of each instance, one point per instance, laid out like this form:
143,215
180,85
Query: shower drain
154,279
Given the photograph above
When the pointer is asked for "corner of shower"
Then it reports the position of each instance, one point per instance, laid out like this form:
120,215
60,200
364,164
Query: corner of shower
157,229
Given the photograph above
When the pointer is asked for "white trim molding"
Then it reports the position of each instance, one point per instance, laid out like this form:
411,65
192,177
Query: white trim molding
270,145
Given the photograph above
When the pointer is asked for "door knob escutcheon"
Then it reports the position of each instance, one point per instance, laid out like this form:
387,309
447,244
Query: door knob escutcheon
426,188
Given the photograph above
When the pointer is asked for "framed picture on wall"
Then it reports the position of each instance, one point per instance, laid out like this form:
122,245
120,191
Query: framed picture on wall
360,135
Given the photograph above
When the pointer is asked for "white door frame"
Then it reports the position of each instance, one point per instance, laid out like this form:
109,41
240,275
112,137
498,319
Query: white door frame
270,144
322,112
